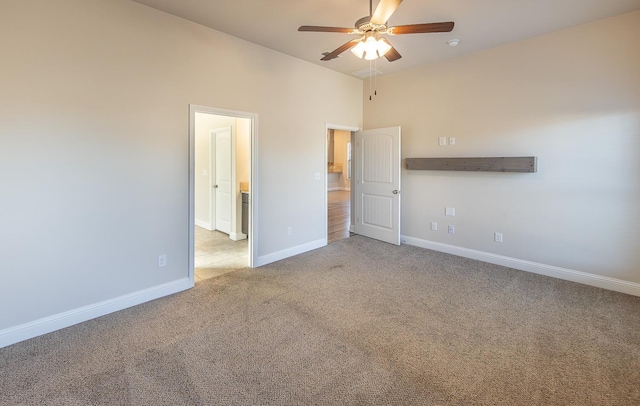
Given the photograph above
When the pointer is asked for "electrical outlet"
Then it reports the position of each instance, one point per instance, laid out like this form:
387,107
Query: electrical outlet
452,140
450,211
434,226
289,231
497,237
162,260
452,229
442,141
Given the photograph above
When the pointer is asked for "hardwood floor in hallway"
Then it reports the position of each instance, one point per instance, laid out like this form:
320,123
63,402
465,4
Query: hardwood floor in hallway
339,215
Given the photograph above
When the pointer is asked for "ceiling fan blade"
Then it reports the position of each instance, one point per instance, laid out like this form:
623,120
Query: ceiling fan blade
421,28
392,54
314,28
341,49
384,10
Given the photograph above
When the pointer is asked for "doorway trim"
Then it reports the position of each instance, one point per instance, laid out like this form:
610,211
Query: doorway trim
328,127
253,181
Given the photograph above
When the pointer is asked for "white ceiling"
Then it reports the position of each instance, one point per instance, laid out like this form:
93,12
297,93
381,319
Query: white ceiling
480,24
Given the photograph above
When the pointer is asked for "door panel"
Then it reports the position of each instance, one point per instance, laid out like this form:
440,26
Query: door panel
223,180
377,211
378,184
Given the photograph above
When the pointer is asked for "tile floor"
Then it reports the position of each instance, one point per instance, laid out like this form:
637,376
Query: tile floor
217,254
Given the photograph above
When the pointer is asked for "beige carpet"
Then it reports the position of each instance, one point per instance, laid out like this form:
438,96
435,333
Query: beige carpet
357,322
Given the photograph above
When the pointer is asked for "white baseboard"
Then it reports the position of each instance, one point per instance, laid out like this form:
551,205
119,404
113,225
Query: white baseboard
604,282
59,321
237,236
289,252
204,224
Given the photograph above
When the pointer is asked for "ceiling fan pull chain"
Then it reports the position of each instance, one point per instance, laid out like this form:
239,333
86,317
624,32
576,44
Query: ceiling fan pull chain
370,72
375,77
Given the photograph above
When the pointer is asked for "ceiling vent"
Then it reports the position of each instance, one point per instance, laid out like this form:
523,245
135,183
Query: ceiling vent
367,73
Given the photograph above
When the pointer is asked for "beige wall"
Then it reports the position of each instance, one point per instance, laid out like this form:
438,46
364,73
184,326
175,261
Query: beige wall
571,98
94,147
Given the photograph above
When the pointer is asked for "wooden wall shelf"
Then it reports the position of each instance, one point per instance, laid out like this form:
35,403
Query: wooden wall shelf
524,164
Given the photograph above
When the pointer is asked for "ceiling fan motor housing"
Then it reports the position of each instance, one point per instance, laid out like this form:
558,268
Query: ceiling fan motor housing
364,24
363,21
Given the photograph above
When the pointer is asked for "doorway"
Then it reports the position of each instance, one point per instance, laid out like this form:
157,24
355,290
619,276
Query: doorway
222,165
374,172
339,196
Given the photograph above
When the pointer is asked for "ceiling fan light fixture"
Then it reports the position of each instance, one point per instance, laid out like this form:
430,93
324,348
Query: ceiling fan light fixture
370,48
383,47
358,50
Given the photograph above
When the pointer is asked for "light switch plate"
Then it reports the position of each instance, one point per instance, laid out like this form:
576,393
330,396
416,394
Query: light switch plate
450,211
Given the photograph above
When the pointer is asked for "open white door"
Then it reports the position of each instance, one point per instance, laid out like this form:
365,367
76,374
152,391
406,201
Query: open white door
377,178
222,186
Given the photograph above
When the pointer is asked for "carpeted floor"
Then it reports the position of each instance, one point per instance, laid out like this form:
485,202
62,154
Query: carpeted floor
357,322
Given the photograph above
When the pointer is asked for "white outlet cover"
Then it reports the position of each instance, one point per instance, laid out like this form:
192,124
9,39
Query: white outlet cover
442,141
317,176
450,211
162,261
434,226
452,140
452,229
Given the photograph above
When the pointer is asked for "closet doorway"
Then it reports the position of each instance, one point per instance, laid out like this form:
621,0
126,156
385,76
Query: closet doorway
222,162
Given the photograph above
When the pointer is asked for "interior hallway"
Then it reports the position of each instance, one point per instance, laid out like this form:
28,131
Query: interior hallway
217,254
339,213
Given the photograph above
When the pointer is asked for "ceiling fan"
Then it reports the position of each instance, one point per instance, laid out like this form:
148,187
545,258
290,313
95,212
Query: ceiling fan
371,45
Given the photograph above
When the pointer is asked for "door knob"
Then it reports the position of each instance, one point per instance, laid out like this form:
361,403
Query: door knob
215,186
395,192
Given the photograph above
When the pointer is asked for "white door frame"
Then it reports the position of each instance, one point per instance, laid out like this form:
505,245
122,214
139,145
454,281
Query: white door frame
326,175
253,181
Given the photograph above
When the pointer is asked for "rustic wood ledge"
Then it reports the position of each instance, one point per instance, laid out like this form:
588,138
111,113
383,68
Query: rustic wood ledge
524,164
